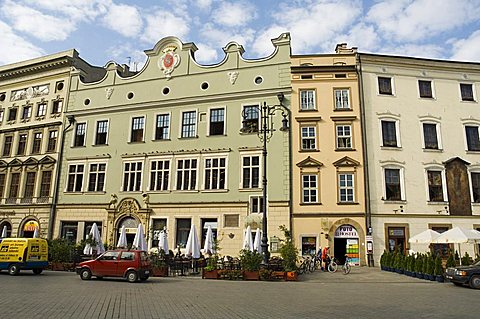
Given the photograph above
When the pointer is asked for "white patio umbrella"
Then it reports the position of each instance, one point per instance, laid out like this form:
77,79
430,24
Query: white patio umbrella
193,245
208,246
139,241
425,237
458,235
95,235
247,239
4,232
122,240
258,241
35,233
163,241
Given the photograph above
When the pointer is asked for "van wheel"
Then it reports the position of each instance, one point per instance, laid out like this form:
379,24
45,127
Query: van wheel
475,282
37,271
13,270
85,274
132,276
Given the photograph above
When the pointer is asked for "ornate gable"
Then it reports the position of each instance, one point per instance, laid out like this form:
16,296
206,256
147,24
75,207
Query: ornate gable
47,160
309,162
31,161
346,162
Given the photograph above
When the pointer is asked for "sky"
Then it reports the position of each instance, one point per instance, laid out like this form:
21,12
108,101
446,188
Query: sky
120,30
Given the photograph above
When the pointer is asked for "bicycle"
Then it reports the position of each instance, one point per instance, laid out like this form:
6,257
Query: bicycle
346,266
315,263
332,264
304,266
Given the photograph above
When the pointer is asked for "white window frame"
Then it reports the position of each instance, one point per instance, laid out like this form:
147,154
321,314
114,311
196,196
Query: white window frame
130,128
258,198
37,114
337,137
136,161
392,83
163,170
314,137
224,119
76,174
195,131
260,170
197,175
476,170
347,188
309,189
155,126
397,131
439,135
255,105
349,106
314,99
473,92
402,182
96,132
465,124
432,87
96,173
75,134
436,168
218,157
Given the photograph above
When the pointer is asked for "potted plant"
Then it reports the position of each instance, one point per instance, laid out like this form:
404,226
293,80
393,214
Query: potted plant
60,254
431,267
250,261
419,266
450,261
383,260
412,265
438,269
211,269
159,264
289,254
466,259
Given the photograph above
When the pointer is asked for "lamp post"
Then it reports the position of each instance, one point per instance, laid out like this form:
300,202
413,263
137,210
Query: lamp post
265,114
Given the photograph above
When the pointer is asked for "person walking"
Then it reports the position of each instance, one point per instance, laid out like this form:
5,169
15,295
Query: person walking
325,257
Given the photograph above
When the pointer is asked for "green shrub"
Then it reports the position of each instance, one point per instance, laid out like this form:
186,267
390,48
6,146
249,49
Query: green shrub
419,264
250,260
438,266
450,261
288,251
466,259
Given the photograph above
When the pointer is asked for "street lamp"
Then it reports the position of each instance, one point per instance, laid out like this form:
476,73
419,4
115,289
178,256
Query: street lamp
265,113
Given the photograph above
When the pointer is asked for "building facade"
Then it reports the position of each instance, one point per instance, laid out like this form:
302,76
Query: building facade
33,96
164,147
327,155
422,124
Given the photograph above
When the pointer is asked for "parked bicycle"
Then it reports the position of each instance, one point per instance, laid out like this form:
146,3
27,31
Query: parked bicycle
346,267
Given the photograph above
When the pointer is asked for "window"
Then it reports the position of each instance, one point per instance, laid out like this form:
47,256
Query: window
309,189
309,246
37,143
342,100
344,136
435,187
27,112
425,88
45,184
256,204
183,229
1,115
389,133
22,144
307,100
75,178
475,177
430,136
57,106
52,141
101,135
385,85
138,125
12,114
80,134
473,141
132,176
162,127
186,174
309,138
466,91
189,123
232,220
2,184
127,255
440,249
42,109
217,121
251,118
29,185
159,175
250,171
396,239
392,184
205,222
69,231
88,228
215,173
346,188
158,226
7,146
14,186
96,177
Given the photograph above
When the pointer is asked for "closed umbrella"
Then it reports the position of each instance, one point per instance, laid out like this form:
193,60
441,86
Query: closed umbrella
4,232
163,241
139,241
208,247
35,233
94,234
122,241
425,237
193,245
258,241
247,239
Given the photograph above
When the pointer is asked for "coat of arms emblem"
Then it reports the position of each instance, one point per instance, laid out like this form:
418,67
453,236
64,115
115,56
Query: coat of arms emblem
169,61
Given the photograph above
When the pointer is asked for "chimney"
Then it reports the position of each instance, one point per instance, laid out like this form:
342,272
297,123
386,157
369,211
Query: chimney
341,48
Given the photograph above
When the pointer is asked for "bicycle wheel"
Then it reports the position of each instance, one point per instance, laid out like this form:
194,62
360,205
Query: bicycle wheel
346,268
332,267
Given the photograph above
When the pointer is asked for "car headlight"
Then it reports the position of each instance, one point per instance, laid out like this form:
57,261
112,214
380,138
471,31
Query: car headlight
460,273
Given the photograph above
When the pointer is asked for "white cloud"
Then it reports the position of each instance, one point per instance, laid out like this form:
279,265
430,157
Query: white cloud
220,37
206,54
203,4
234,14
408,20
126,54
18,48
467,49
84,10
361,36
123,19
263,44
35,23
430,51
162,24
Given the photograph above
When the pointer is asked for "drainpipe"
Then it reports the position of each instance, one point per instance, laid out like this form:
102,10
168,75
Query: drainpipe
368,214
56,185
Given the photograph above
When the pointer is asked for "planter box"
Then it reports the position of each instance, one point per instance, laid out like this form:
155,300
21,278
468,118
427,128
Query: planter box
57,266
439,278
160,272
210,274
291,276
251,275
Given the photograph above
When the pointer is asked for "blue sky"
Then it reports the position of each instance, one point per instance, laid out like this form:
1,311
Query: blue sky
119,30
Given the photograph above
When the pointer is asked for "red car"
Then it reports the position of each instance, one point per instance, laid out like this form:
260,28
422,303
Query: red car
130,264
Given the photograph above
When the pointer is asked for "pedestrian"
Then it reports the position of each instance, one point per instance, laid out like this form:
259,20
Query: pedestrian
325,257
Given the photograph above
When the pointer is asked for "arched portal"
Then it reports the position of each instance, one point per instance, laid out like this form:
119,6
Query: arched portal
346,242
130,224
5,224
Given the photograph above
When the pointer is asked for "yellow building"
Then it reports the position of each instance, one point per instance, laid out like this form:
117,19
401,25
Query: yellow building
327,157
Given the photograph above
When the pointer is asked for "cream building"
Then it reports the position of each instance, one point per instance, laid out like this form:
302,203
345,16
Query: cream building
422,123
327,155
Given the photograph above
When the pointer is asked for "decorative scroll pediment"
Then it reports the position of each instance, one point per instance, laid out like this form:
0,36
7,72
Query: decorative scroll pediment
346,162
31,161
47,160
15,162
309,162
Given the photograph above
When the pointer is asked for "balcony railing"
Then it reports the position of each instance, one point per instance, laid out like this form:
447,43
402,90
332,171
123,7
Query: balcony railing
25,200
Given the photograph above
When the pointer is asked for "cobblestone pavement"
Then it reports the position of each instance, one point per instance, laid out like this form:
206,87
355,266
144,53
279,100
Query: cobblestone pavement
364,293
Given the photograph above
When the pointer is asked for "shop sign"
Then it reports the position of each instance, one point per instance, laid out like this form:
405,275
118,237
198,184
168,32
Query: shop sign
346,231
30,225
396,232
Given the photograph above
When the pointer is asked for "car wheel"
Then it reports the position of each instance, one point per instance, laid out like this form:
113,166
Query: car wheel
85,274
37,271
475,282
132,276
13,270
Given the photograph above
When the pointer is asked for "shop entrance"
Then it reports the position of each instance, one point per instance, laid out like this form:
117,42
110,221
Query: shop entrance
131,225
346,243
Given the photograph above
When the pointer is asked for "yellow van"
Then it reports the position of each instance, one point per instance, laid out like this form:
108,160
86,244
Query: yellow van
23,253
